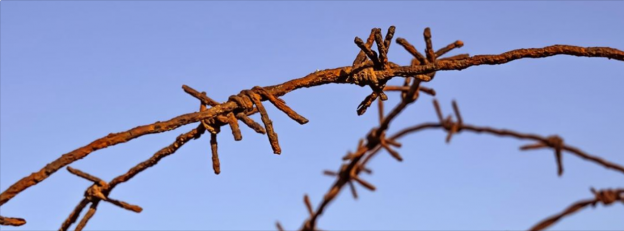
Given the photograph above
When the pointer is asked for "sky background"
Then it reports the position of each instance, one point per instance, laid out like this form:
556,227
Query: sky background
74,71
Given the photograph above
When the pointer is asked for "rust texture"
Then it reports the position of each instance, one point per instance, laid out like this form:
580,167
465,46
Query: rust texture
370,68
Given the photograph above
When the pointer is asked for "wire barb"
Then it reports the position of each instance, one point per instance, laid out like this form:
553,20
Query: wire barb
96,192
361,109
86,176
429,50
251,123
200,96
412,50
233,122
330,173
554,142
366,185
380,106
436,105
428,91
308,204
279,104
268,124
12,221
73,216
372,55
389,36
353,190
383,51
279,226
361,57
447,48
216,164
392,152
460,121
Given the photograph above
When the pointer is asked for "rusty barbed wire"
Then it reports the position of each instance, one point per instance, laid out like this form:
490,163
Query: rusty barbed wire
349,172
180,140
164,152
454,127
606,197
375,139
370,68
336,75
12,221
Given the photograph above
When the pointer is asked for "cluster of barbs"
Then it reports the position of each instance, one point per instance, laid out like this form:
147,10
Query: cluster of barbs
366,64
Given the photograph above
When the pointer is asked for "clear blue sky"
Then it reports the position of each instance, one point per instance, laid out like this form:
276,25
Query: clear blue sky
74,71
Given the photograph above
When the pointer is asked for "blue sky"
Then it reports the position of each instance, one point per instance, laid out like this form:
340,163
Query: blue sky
74,71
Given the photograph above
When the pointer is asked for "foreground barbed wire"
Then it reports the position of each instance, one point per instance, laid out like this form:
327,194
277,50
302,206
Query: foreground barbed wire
370,68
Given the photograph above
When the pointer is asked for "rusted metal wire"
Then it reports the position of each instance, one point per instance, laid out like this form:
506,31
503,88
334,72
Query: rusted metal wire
364,153
162,153
362,56
605,197
336,75
376,139
268,124
370,68
94,194
543,141
281,105
73,216
182,139
12,221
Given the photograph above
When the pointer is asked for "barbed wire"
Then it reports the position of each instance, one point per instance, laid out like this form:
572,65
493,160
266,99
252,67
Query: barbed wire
357,161
370,68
